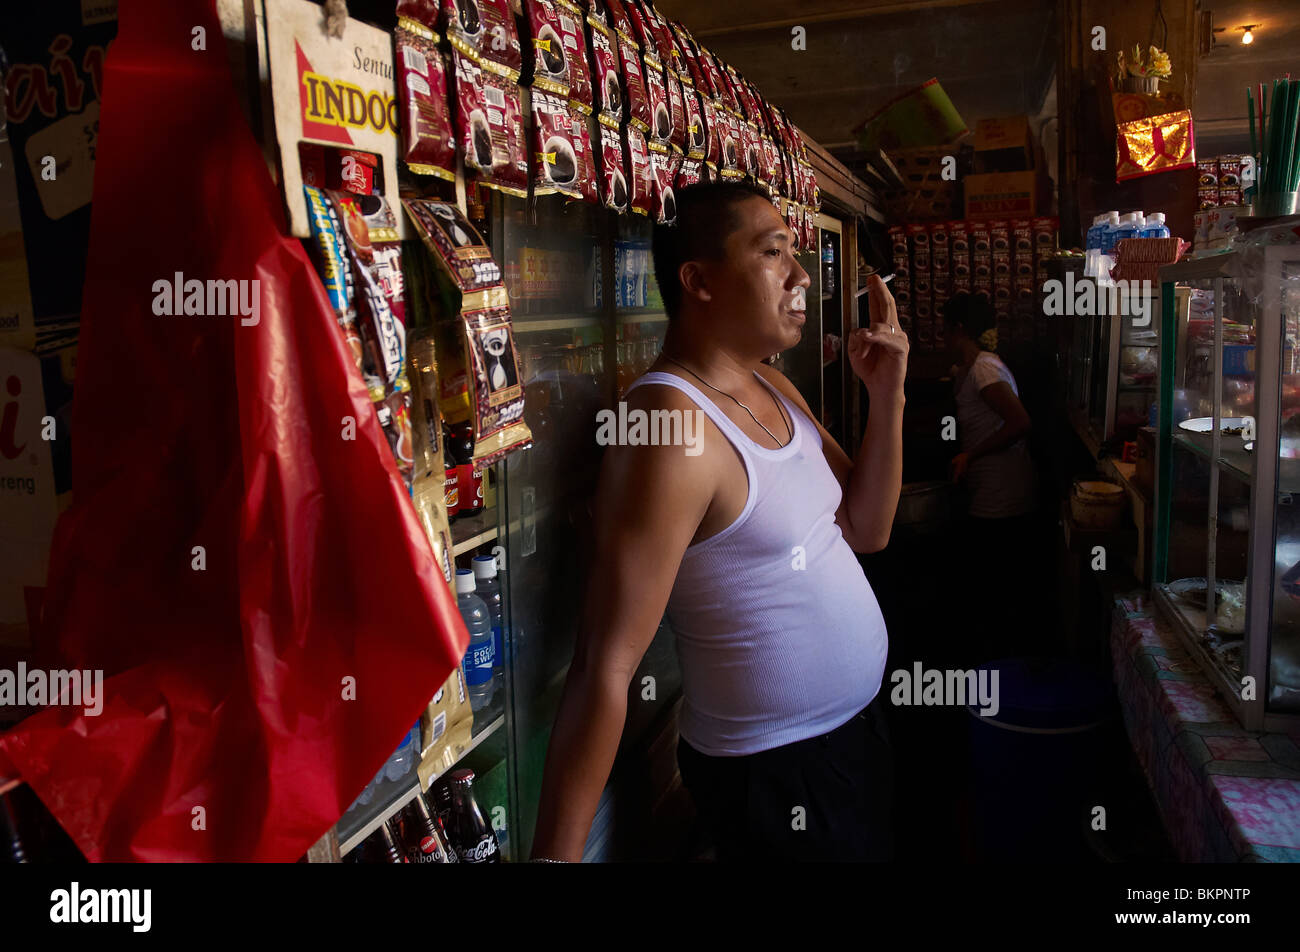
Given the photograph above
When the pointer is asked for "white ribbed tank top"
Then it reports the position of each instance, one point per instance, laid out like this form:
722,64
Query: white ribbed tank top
779,635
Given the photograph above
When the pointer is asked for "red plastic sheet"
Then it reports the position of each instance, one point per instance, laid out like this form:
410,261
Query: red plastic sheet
224,686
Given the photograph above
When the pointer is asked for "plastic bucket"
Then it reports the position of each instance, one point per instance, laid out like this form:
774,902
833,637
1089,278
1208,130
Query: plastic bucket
1036,762
1096,504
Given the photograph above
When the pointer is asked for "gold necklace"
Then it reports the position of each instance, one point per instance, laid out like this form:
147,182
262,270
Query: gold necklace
790,430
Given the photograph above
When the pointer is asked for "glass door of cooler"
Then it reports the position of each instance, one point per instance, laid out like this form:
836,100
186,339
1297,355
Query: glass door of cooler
552,254
588,320
835,275
803,363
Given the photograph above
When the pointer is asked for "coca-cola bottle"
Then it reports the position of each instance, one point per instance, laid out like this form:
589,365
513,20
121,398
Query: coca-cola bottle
471,836
388,850
424,840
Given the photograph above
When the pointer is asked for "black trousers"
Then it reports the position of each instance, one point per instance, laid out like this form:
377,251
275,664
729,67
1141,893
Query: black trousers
828,798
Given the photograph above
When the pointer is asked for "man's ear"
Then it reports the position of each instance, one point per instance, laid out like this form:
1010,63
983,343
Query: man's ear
694,281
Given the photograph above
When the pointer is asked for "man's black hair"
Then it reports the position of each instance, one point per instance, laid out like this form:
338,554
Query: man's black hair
973,313
705,217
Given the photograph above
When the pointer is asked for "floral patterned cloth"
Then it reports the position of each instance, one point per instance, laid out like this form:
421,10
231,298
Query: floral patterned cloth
1225,794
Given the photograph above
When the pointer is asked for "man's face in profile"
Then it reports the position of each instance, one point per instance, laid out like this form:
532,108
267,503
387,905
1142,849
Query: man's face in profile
757,288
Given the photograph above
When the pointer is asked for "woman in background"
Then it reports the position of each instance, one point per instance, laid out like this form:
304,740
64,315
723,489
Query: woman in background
1002,489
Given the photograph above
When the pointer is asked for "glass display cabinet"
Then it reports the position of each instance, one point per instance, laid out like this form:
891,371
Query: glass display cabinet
1113,367
1227,546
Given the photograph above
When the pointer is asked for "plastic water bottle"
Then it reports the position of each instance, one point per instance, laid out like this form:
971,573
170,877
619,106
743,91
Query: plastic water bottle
1155,226
479,656
1106,259
398,764
488,588
1092,245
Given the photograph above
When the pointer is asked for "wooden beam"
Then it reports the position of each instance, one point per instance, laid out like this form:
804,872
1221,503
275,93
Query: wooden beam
860,10
840,185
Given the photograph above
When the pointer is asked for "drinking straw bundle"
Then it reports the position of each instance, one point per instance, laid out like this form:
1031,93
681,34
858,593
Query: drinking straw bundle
1277,149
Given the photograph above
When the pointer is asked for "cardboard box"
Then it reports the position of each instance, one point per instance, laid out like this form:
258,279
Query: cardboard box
1004,145
1005,194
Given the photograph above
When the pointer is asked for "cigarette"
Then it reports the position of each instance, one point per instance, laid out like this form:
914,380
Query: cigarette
886,279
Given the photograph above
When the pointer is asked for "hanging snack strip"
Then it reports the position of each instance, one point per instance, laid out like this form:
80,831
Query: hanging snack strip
430,145
629,56
484,333
371,233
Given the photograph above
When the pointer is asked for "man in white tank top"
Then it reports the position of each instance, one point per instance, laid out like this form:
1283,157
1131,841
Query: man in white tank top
747,542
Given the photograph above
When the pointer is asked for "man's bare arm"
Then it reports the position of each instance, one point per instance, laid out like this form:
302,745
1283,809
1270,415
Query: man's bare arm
649,503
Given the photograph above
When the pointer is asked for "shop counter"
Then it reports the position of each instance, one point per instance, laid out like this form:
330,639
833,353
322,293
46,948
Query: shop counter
1225,794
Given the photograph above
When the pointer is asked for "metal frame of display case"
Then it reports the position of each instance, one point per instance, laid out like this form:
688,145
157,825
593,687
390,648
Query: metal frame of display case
1100,337
1227,454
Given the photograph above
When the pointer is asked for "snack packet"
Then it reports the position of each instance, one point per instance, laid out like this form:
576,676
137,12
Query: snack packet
429,142
557,165
641,193
483,335
549,66
489,127
613,179
574,39
329,254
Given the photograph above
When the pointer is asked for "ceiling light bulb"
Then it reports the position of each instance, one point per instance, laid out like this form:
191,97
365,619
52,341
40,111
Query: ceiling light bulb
1248,37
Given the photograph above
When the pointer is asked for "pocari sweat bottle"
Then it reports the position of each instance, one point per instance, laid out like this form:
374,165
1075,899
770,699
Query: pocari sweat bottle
477,663
1155,226
488,588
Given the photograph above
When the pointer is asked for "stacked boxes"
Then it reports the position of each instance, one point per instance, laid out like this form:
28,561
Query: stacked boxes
940,276
1044,232
1005,259
901,286
959,249
1207,183
918,241
1022,279
1221,180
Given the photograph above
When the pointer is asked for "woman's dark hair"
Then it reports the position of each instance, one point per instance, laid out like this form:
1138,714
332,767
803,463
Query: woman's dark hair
973,313
705,217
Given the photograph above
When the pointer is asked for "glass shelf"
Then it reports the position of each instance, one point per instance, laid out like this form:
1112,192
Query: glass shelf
470,532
